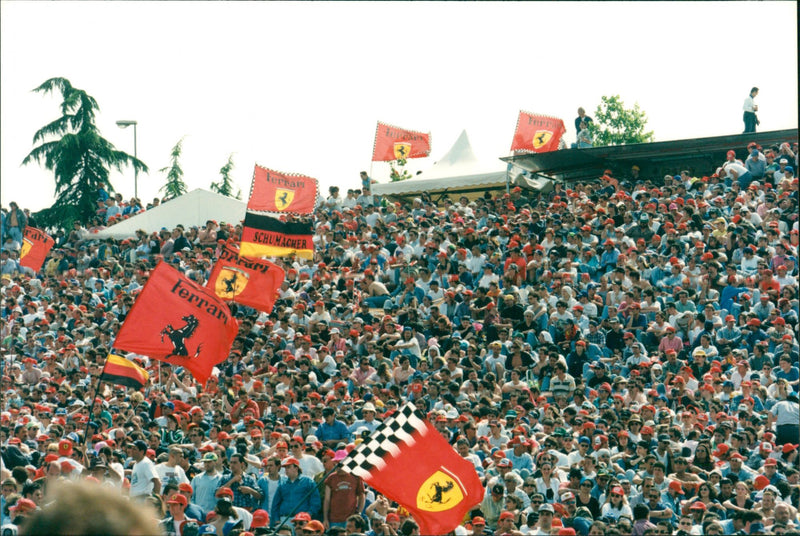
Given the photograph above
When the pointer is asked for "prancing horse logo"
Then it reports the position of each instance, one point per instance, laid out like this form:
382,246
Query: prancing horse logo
230,282
439,492
283,198
179,336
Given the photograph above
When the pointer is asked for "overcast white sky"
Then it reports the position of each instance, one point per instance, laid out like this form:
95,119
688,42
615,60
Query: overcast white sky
299,87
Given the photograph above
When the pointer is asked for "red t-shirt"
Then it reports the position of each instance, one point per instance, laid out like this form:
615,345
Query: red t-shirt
345,490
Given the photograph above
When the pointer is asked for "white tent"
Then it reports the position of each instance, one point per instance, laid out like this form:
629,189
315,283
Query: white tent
459,172
193,208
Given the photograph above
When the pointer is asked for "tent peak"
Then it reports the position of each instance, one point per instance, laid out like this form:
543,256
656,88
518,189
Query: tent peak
459,154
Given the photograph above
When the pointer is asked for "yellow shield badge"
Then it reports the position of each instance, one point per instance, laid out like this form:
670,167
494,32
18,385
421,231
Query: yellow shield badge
402,150
541,138
283,198
439,492
26,248
230,282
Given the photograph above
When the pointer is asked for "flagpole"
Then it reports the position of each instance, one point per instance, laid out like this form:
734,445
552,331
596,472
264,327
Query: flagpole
89,418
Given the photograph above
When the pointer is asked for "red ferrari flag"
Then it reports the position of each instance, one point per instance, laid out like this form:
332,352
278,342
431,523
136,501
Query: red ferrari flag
393,143
273,191
408,461
179,322
36,245
251,282
537,133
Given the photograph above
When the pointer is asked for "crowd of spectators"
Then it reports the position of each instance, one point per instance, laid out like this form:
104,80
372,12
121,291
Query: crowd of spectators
614,357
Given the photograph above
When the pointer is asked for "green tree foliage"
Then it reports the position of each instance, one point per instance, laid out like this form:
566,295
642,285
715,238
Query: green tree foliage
77,154
398,172
225,185
174,187
615,125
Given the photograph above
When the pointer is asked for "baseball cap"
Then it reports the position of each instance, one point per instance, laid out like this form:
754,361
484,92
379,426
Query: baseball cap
290,460
178,499
224,492
676,487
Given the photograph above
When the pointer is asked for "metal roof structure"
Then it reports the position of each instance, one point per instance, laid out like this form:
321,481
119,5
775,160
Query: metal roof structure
701,156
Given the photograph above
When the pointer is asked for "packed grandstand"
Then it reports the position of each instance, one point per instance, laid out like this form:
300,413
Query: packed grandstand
617,356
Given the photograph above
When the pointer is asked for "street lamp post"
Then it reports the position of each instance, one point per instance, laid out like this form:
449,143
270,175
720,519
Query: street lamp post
123,123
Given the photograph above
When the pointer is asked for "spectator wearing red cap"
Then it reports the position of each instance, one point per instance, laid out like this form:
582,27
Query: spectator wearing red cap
242,404
736,467
176,515
192,511
297,494
616,504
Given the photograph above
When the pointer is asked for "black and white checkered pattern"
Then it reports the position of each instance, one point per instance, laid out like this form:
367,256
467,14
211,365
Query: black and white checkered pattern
386,439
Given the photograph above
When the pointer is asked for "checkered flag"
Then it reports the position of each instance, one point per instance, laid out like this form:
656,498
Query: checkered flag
407,460
386,439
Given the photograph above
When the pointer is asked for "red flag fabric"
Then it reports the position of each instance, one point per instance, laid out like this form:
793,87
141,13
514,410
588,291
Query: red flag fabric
36,245
537,133
394,143
273,191
251,282
179,322
410,462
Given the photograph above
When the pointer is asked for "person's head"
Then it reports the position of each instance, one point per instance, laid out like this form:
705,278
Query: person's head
546,513
138,450
177,505
316,528
85,508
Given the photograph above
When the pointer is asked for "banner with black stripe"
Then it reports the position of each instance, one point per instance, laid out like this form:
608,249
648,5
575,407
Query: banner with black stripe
264,236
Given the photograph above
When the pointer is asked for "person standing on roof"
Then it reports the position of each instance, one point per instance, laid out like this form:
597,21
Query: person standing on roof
750,108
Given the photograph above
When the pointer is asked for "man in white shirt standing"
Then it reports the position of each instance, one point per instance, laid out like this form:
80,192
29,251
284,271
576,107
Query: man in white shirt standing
750,108
144,478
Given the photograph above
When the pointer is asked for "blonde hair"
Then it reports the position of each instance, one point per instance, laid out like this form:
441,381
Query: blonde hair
91,510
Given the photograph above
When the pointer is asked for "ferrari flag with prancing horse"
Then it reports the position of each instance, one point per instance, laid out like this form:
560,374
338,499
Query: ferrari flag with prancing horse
273,191
179,322
394,143
407,460
537,133
251,282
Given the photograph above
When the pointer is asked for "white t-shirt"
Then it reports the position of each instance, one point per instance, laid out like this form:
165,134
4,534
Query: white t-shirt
167,474
141,477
